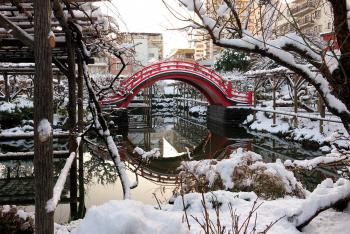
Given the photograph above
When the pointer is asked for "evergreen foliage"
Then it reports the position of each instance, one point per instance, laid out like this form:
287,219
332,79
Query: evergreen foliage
233,60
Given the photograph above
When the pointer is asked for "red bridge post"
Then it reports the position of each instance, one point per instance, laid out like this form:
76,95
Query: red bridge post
250,97
229,89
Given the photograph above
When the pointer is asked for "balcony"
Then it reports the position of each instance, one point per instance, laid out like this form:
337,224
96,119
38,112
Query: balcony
303,8
305,22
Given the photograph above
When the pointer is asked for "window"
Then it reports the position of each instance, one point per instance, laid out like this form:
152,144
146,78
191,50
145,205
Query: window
317,14
151,55
329,26
119,66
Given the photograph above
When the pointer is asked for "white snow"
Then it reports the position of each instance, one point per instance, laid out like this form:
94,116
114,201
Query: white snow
328,222
333,132
134,217
120,217
222,10
313,163
147,155
224,169
57,191
325,194
19,103
266,125
44,130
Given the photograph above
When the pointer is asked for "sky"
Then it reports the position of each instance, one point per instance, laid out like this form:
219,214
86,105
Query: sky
150,16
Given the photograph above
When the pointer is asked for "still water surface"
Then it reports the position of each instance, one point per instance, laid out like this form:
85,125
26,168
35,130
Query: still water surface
178,138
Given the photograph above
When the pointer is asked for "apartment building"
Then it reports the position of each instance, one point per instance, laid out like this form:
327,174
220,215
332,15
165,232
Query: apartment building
148,49
203,45
186,55
312,17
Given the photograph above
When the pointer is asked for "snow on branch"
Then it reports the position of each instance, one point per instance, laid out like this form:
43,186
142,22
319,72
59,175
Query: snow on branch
57,191
293,51
103,131
326,195
309,164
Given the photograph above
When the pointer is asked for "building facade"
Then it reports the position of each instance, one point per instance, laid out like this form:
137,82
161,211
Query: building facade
148,49
311,17
186,55
203,44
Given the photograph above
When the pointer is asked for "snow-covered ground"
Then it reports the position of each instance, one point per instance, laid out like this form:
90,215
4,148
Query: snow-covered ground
187,213
308,130
134,217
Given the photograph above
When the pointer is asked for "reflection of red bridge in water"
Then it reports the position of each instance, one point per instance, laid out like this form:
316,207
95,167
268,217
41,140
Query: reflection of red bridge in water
217,90
164,170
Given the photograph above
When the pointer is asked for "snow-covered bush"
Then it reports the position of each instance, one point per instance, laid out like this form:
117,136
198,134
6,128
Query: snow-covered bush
12,113
242,171
13,220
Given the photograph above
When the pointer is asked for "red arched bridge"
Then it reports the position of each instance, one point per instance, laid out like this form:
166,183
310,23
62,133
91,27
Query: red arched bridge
217,90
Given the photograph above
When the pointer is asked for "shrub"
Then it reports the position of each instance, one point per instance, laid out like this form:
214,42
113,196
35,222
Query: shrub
11,222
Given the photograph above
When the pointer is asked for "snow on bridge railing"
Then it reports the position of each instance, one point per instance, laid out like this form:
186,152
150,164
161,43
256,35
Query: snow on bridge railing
243,97
169,66
127,85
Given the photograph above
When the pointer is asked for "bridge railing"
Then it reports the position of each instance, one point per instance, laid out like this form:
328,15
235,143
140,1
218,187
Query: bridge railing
169,66
243,97
127,85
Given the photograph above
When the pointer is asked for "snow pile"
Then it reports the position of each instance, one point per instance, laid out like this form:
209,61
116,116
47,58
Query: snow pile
130,217
66,228
300,134
19,103
134,217
44,130
147,155
265,124
308,130
243,171
7,107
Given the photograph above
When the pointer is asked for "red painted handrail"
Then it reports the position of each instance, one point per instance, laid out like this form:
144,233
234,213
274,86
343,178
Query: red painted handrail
127,86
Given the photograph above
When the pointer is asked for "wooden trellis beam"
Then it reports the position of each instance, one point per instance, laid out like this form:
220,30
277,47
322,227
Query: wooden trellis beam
16,31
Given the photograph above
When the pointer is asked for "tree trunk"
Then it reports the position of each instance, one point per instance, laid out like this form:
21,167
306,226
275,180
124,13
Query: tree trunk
43,109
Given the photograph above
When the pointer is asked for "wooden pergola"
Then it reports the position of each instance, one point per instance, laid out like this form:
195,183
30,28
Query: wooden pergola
47,34
275,78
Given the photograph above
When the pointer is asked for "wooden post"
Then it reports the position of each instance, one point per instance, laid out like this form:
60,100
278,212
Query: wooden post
80,83
43,109
295,99
275,82
72,121
274,103
322,110
7,88
150,108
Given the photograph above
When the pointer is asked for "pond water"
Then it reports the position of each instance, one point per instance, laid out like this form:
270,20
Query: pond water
178,136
